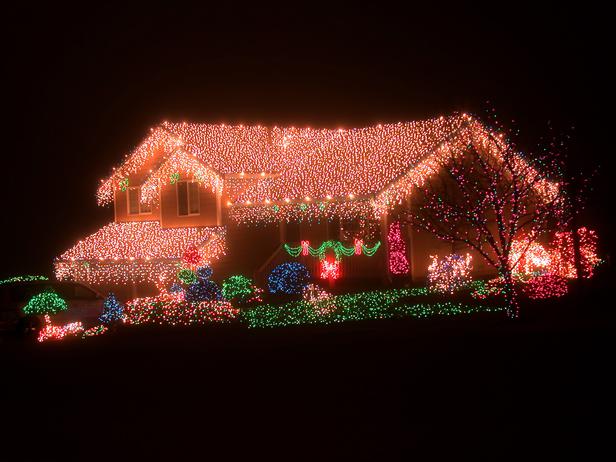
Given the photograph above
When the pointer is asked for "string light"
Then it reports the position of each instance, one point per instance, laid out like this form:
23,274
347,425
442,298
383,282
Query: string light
137,252
330,269
45,303
202,289
24,278
398,262
51,332
186,276
240,289
94,331
338,247
304,161
288,278
377,166
113,311
529,257
381,304
564,256
546,286
320,300
168,309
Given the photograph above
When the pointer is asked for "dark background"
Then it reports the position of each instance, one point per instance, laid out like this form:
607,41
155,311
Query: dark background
84,87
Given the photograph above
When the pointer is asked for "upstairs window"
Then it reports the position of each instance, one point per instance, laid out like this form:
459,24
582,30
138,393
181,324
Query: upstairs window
135,207
188,198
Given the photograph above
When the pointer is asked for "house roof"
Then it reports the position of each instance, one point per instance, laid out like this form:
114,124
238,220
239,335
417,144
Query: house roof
143,241
276,163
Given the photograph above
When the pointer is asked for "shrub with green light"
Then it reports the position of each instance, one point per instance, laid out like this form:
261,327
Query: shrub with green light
379,304
45,303
187,276
237,288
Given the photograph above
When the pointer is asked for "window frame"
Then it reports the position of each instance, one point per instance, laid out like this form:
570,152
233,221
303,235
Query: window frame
177,199
140,212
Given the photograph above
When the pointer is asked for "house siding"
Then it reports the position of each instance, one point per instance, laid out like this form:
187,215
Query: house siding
120,203
169,218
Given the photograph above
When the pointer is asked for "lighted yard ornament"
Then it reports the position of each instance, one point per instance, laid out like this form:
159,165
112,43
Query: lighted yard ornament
46,304
450,273
321,301
288,278
330,269
528,258
203,289
113,311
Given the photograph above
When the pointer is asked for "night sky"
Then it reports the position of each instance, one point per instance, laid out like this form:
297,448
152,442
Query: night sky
83,88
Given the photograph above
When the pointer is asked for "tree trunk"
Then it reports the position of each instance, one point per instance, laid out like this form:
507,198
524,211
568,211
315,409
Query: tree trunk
511,297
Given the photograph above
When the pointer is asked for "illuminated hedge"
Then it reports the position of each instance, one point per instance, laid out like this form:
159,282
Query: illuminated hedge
383,304
174,310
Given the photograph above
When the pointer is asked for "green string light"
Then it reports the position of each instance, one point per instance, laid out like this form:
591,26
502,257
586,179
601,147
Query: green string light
338,247
385,304
24,278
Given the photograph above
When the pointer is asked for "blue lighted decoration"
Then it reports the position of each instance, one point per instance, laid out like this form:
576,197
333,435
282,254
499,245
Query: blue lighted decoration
288,278
113,311
203,289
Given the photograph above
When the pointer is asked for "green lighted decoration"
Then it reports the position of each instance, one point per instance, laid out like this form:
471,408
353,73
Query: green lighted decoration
187,276
124,184
174,178
45,303
381,304
237,288
24,278
338,247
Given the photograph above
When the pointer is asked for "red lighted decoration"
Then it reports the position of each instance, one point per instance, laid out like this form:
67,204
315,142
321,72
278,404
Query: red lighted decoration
330,269
358,243
563,263
192,257
398,263
547,286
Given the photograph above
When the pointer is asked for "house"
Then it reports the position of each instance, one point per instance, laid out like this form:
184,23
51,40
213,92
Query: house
251,197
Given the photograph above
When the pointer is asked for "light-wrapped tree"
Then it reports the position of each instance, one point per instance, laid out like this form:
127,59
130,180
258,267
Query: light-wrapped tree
486,195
